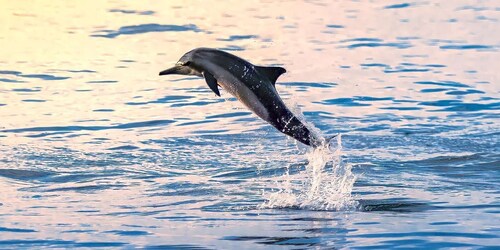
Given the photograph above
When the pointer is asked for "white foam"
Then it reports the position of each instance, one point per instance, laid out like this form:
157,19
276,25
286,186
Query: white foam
325,184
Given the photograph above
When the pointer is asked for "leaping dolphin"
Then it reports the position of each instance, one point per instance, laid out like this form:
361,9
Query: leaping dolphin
252,85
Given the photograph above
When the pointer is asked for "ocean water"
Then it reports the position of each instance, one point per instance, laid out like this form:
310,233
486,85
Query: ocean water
97,150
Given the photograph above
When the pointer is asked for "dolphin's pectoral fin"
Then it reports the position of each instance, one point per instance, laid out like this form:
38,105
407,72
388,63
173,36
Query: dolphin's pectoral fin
212,82
272,73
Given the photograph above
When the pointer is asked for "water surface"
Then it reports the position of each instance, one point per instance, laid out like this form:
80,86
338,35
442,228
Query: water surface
97,150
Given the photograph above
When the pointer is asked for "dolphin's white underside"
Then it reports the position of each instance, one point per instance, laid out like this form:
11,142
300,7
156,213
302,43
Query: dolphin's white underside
245,96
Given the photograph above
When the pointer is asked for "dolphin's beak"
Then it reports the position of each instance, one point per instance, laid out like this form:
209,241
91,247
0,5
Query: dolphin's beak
177,70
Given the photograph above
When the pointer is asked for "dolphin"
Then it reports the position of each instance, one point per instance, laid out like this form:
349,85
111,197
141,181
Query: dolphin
252,85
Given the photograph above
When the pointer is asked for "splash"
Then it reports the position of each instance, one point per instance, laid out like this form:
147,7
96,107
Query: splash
325,184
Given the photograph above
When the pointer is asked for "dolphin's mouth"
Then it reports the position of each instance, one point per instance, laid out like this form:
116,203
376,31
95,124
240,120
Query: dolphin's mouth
176,70
181,69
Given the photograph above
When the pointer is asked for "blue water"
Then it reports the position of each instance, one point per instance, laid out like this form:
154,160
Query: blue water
97,150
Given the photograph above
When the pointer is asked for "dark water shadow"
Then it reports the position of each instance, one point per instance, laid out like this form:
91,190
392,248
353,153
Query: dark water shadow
24,175
398,6
237,37
45,77
10,72
281,241
395,205
136,12
478,47
444,83
10,80
17,230
145,28
373,43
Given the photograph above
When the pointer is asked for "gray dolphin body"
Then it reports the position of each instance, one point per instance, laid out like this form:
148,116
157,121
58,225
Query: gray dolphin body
250,84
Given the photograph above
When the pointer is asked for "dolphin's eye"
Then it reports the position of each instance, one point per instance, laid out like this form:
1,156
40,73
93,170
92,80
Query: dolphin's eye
187,63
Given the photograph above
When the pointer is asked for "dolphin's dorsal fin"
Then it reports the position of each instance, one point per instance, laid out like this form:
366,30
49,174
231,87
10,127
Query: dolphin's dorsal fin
212,82
272,73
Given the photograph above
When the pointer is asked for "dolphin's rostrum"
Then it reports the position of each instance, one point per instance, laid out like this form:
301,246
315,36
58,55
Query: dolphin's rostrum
252,85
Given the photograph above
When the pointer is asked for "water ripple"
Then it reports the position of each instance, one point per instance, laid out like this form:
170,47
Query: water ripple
374,42
356,101
146,12
152,123
59,243
468,47
21,174
444,83
17,230
457,105
166,99
10,80
398,6
310,84
94,153
233,38
145,28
